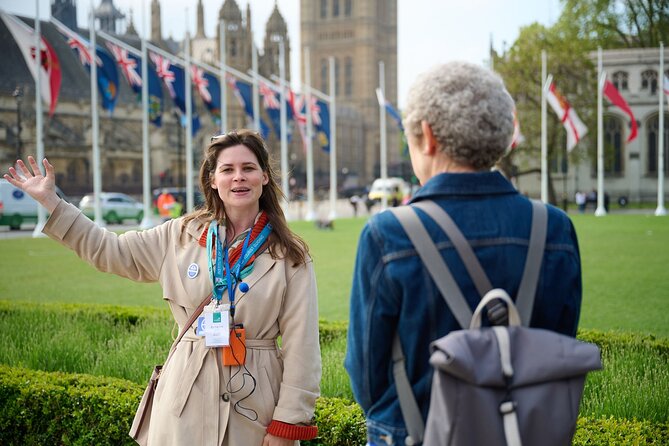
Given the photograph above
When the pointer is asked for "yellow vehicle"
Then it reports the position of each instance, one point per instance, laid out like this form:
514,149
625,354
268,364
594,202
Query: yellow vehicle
392,188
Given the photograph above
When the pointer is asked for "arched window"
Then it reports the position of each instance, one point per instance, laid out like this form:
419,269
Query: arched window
324,75
649,81
348,77
324,9
613,146
652,133
620,80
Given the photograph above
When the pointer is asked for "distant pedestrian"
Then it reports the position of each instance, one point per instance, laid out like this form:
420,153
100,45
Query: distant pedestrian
354,200
580,199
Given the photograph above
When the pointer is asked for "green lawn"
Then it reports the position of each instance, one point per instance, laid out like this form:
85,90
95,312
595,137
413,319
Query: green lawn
624,258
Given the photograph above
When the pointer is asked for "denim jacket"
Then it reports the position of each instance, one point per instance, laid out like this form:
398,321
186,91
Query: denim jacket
392,291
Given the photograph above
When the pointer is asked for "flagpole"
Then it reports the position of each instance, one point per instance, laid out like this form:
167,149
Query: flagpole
284,128
660,211
382,126
544,130
147,221
39,125
222,77
189,125
333,142
97,174
601,77
256,96
310,147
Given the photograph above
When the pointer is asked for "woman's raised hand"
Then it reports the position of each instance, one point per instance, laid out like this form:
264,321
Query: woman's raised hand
42,188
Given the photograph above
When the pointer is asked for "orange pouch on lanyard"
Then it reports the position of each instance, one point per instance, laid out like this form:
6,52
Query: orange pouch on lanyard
235,353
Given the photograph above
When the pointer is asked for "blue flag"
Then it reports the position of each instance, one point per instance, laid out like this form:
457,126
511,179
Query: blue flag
131,67
174,78
320,117
272,102
106,68
397,117
244,94
209,89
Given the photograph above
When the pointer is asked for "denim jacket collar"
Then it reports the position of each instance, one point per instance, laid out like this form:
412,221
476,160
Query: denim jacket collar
464,184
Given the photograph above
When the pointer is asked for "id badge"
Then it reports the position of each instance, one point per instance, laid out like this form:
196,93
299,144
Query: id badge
216,325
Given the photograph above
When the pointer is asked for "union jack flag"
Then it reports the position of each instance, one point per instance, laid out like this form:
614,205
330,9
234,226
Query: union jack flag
209,88
201,83
128,65
269,96
174,78
163,71
107,75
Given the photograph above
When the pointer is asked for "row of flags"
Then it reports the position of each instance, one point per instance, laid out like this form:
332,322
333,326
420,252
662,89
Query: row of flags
573,125
172,75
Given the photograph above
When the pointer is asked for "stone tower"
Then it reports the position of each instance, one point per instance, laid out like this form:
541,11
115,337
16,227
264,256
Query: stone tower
276,32
65,11
156,27
199,33
108,15
238,36
358,34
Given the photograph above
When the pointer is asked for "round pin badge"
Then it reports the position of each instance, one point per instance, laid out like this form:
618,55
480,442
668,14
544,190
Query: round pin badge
193,270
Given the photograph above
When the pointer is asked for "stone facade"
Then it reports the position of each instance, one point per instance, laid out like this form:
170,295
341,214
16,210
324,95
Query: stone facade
630,168
356,34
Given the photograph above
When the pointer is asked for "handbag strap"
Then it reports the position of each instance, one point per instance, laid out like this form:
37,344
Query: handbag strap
188,325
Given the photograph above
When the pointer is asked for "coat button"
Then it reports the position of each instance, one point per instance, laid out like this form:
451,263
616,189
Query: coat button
226,397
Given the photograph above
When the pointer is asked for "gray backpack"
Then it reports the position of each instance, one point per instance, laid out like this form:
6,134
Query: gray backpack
500,385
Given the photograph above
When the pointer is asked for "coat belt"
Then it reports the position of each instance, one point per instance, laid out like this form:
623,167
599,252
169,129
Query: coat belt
196,362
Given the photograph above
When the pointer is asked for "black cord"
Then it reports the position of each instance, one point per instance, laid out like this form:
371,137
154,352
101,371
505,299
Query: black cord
238,407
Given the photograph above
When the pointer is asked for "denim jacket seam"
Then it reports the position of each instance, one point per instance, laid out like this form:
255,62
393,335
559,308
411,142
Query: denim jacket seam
376,274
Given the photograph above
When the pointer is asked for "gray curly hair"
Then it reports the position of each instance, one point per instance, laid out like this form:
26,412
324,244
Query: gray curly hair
469,110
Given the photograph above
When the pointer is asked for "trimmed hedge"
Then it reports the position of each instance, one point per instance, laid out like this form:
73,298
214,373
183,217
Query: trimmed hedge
40,408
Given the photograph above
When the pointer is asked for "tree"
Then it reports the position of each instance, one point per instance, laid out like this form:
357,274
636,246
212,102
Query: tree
618,23
573,71
570,43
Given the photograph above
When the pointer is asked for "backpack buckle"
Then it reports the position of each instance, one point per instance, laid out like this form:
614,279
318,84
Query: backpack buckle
498,314
507,407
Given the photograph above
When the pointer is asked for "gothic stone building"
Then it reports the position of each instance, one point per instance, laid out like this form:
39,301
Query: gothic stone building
358,35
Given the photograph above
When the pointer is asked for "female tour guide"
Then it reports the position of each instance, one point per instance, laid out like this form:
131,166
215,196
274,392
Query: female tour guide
228,381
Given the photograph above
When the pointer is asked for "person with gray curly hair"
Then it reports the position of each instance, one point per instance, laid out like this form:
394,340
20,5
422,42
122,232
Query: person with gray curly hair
468,110
459,123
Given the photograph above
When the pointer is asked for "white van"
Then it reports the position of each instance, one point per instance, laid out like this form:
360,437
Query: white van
17,207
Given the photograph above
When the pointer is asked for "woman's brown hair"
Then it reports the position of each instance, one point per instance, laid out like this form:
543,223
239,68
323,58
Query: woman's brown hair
282,242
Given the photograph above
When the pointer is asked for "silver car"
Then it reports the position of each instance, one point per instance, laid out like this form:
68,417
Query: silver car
116,207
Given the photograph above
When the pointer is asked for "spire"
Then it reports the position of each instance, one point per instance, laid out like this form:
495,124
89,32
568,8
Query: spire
199,33
130,30
156,29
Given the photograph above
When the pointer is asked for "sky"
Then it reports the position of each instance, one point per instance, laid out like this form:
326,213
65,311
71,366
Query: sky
429,31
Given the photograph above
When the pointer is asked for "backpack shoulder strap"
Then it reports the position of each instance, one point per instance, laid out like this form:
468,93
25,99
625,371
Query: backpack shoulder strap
462,246
434,263
535,252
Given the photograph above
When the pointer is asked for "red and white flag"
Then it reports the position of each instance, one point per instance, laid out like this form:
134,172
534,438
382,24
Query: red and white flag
517,137
50,76
575,128
612,94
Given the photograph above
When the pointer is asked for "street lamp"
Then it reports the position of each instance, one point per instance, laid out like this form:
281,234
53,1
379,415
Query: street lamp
18,96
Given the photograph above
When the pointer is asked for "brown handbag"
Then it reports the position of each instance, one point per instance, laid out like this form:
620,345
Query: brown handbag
140,425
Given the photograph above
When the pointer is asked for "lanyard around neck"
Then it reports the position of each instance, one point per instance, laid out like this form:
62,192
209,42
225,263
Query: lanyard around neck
234,274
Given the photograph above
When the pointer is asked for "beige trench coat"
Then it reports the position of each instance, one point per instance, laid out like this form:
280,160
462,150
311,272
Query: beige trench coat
197,400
